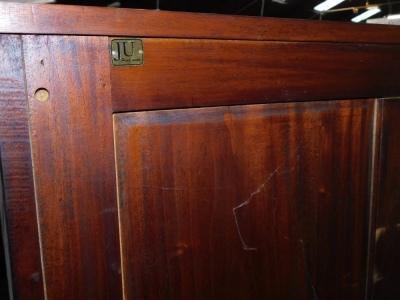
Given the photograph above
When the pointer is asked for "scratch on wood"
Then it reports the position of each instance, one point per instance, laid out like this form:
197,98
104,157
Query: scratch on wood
245,203
180,189
305,266
33,16
257,191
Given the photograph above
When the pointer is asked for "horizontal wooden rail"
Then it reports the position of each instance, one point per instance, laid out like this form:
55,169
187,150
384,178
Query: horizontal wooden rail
180,73
80,20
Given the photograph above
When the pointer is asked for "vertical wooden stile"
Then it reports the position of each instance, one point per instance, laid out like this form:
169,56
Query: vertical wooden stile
73,160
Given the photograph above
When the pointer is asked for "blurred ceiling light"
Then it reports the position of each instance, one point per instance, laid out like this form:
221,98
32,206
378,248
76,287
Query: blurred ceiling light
30,1
324,6
114,4
370,12
392,17
280,1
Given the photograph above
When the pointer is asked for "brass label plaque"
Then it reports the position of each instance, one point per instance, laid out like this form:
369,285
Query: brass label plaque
126,52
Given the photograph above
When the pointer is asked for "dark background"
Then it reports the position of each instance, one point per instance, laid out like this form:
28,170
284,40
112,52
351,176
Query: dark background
298,9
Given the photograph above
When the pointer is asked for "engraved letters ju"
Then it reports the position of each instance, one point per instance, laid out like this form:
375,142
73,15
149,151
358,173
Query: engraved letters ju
126,52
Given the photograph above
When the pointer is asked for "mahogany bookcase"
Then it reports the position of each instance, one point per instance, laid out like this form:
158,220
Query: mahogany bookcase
163,155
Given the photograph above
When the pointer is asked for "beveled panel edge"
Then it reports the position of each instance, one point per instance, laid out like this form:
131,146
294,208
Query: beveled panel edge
4,235
17,175
374,177
81,20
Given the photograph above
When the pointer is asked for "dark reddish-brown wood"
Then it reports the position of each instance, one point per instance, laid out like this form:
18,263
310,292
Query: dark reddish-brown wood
387,259
246,202
264,201
45,19
16,167
73,160
191,73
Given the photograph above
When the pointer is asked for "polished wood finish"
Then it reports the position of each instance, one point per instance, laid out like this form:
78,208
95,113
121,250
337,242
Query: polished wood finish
191,73
387,261
245,202
73,160
16,166
257,180
78,20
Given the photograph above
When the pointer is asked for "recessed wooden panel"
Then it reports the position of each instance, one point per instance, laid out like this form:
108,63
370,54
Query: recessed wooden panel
192,73
70,117
245,202
16,167
387,259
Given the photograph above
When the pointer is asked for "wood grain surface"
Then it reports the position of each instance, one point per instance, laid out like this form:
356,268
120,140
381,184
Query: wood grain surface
387,258
61,19
73,159
192,73
245,202
16,167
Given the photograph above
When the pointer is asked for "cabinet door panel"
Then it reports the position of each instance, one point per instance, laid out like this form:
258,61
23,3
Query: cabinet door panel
245,202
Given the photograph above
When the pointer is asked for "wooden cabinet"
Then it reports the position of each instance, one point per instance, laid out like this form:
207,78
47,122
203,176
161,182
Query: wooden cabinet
243,158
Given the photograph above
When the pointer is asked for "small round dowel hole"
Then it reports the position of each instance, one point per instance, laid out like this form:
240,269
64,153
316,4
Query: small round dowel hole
42,95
